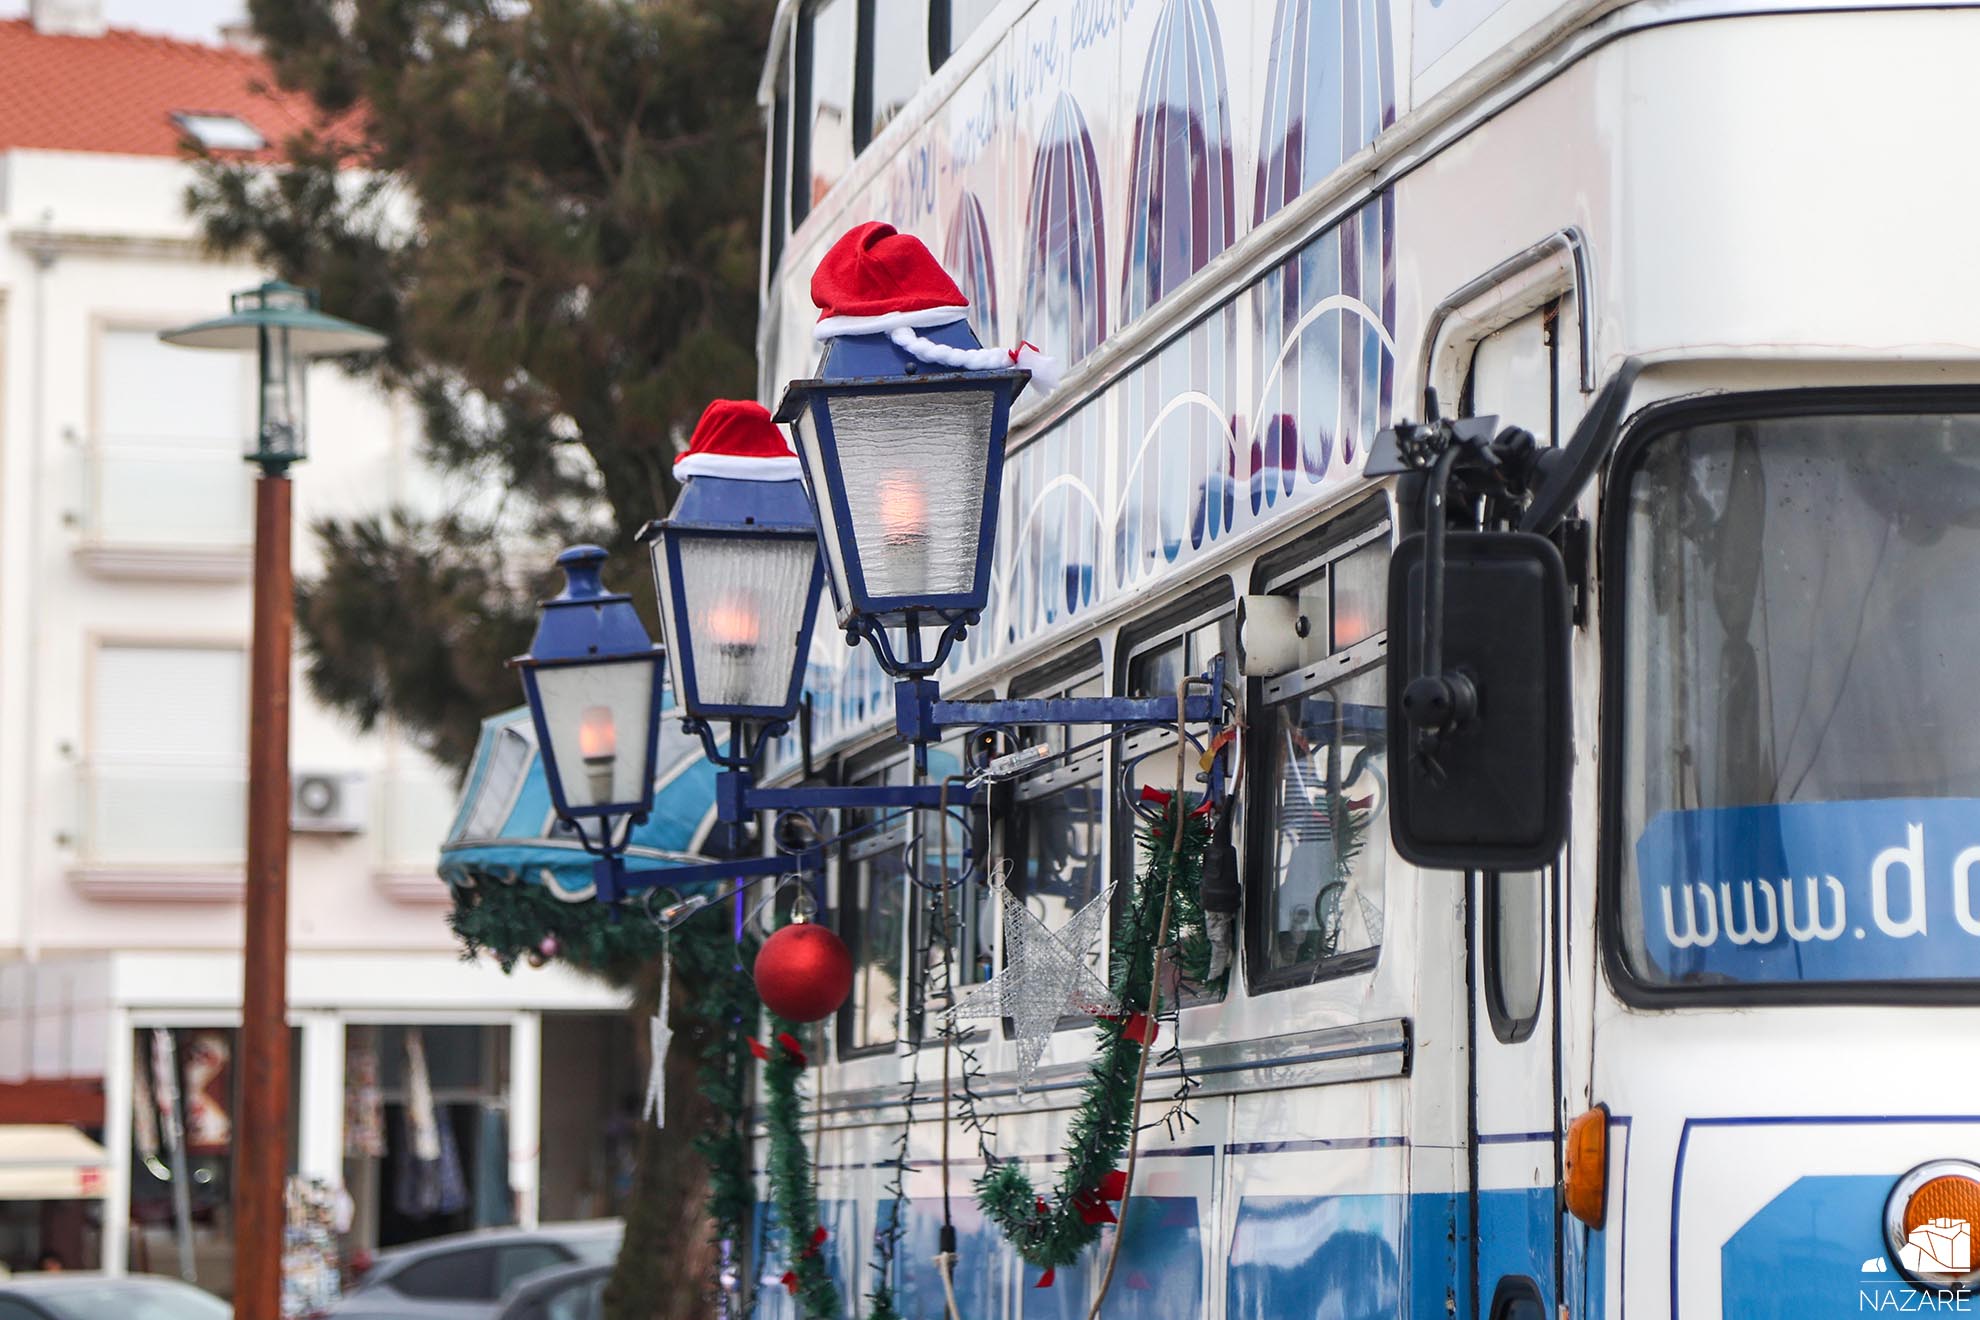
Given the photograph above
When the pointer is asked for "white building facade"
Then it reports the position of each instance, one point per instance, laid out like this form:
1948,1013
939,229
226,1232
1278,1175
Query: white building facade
125,552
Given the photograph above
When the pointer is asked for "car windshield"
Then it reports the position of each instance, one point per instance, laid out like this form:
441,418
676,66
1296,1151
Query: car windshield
129,1301
1801,782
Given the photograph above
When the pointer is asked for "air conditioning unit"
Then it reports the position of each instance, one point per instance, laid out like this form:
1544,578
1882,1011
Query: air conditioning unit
326,802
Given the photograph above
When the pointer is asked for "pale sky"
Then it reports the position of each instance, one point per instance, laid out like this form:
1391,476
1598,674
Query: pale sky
196,20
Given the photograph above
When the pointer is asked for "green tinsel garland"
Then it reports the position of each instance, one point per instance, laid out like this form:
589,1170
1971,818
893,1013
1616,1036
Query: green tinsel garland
793,1183
509,922
1048,1236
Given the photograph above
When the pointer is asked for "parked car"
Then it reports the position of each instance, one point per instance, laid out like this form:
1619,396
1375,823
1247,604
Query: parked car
570,1292
77,1296
463,1277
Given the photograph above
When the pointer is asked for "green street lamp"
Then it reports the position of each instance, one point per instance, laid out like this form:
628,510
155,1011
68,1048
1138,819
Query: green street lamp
280,324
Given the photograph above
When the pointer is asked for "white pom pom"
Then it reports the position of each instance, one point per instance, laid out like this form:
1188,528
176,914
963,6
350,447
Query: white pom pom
1044,368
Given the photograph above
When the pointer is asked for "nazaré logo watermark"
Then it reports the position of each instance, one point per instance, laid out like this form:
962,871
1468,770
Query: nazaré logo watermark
1813,891
1936,1249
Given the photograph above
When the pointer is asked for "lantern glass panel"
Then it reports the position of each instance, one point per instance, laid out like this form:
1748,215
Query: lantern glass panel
597,716
746,597
914,464
283,408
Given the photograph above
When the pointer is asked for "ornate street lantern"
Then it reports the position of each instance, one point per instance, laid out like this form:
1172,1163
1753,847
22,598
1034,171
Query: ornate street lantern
592,678
902,440
736,567
281,325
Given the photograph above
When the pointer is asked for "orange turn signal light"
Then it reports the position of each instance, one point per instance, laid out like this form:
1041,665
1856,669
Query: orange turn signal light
1586,1188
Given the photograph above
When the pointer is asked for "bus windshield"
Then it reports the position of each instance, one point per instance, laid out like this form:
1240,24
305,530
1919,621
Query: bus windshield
1800,788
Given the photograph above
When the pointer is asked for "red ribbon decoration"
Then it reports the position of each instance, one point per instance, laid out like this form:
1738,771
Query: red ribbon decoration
1162,797
790,1282
1040,1207
1045,1279
1139,1027
789,1042
1113,1186
818,1236
759,1049
1093,1210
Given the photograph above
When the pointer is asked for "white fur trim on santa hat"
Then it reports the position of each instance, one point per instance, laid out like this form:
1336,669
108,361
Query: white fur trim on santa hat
738,467
831,327
1044,370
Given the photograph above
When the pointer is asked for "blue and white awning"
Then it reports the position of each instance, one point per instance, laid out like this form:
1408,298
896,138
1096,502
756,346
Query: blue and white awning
506,830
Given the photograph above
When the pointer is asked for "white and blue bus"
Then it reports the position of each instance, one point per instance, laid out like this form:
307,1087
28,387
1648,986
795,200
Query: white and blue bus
1255,232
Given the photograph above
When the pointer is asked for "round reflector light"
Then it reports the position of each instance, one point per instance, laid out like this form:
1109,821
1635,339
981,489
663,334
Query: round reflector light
1930,1221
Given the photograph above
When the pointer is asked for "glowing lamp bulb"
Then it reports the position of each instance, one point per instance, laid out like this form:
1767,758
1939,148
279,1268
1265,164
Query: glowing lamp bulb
598,744
903,512
734,626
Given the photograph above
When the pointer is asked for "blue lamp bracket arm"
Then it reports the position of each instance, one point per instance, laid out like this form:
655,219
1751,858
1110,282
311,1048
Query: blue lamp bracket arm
921,715
615,879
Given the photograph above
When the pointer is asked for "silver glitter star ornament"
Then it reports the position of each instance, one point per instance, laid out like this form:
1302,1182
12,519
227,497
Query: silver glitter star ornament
1046,975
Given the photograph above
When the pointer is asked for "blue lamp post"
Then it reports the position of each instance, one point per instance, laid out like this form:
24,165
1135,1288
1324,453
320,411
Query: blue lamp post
902,436
904,463
593,679
736,568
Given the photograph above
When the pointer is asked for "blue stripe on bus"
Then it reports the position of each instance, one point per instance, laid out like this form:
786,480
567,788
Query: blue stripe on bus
1358,1256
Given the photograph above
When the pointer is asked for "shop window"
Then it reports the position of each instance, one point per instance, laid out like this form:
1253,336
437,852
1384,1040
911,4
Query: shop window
893,63
185,1106
1154,667
1515,951
1320,783
426,1131
822,137
873,916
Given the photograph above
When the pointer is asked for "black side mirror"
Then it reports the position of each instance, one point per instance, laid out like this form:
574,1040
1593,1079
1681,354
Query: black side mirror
1479,717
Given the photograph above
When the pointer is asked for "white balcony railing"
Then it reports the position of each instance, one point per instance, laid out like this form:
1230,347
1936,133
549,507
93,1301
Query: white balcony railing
160,832
167,506
163,815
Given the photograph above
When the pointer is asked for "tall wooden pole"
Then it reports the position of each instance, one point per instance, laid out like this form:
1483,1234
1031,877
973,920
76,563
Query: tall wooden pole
261,1138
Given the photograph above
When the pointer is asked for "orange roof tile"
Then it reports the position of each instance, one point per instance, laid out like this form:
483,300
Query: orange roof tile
118,92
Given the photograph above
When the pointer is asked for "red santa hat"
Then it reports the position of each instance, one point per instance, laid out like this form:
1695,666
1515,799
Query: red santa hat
875,280
736,439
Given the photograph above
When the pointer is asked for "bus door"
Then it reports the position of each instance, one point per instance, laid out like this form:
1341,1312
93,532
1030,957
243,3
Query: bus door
1523,372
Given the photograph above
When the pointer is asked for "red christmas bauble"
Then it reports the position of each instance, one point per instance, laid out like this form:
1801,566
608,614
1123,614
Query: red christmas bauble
804,972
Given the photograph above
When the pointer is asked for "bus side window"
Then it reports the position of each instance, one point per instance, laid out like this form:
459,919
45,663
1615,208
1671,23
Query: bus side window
1515,952
1057,828
821,145
893,63
1319,793
873,914
949,24
973,909
1153,670
779,202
